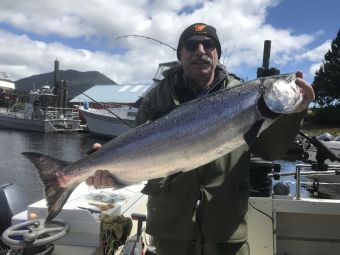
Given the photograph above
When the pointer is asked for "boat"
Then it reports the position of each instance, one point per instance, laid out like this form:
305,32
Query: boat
277,224
109,121
7,87
44,110
280,220
41,114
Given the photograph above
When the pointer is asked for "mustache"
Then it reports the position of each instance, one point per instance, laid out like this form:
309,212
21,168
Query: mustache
200,60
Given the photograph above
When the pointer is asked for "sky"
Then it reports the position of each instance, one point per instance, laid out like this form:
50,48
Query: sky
91,35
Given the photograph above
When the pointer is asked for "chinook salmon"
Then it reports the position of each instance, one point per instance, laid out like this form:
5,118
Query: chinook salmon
192,135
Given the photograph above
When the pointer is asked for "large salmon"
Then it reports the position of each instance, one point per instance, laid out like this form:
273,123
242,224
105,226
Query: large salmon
193,134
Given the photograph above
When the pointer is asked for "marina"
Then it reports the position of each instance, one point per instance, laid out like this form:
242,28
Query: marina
38,118
42,110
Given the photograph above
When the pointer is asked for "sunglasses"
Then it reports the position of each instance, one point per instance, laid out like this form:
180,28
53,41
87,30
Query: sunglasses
192,45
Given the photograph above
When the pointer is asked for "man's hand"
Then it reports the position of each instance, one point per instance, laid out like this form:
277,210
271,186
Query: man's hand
94,148
102,178
307,92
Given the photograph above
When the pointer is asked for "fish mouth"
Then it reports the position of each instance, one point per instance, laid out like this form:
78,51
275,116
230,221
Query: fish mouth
284,95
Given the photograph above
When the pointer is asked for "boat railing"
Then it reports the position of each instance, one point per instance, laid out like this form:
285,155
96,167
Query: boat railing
60,113
12,113
122,112
313,169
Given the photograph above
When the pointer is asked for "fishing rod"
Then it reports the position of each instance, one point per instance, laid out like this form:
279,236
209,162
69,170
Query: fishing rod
231,52
104,107
149,38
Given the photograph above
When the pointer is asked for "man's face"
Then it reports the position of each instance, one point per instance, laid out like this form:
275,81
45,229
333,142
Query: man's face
198,56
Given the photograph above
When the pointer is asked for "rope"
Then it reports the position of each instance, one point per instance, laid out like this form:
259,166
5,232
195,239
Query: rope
116,231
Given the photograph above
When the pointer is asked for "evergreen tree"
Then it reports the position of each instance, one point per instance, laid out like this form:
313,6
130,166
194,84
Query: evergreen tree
327,78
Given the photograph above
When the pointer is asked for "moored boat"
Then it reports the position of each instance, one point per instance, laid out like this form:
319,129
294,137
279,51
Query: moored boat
113,121
41,114
43,110
109,122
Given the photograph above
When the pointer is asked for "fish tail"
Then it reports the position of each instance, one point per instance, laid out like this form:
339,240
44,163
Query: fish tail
55,195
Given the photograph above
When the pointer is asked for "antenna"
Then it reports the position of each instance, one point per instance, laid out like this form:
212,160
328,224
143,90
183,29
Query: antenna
149,38
4,75
231,52
224,55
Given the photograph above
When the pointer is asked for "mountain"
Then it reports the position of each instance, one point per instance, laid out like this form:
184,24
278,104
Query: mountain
77,82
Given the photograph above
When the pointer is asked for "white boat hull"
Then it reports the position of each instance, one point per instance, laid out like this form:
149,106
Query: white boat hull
103,123
305,226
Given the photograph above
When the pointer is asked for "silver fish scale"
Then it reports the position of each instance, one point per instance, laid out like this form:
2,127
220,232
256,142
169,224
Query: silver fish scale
191,135
188,137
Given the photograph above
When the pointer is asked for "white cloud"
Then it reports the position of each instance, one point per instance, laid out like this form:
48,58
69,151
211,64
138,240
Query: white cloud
313,68
240,24
317,54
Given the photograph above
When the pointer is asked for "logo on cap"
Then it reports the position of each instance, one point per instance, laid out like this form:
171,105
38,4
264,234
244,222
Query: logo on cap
200,27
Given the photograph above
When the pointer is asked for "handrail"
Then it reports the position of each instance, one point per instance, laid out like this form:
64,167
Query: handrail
308,170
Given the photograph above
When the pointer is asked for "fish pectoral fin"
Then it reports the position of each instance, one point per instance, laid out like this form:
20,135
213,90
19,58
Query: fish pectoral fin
170,178
252,133
118,182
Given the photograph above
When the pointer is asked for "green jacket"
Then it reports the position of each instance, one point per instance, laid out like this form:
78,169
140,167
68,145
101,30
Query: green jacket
222,186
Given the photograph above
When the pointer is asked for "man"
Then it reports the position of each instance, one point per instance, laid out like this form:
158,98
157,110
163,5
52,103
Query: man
204,211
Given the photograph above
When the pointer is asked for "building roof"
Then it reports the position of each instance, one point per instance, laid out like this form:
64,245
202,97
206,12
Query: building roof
6,84
112,94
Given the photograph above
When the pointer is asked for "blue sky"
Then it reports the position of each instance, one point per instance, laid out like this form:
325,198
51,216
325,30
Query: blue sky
83,34
319,18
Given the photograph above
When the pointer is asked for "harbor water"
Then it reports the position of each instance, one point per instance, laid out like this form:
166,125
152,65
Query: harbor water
15,168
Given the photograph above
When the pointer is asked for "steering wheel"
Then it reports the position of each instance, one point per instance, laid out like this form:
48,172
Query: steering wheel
34,233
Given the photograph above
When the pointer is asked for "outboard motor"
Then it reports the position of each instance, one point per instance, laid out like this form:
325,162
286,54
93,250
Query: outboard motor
12,201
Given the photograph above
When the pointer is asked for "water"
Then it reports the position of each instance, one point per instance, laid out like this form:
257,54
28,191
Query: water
15,168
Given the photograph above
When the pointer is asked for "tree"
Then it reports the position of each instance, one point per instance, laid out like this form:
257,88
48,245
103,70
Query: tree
327,78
